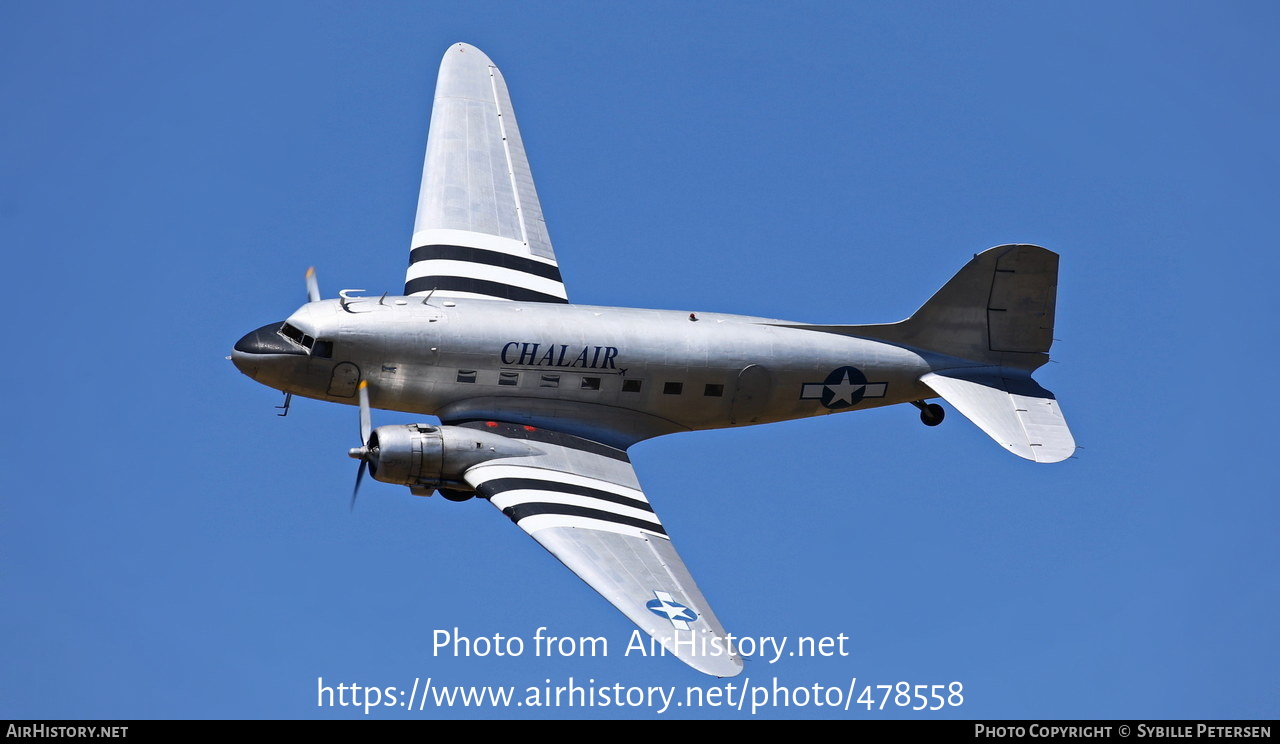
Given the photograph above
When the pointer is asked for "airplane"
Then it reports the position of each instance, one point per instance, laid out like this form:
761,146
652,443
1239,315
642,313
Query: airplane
538,399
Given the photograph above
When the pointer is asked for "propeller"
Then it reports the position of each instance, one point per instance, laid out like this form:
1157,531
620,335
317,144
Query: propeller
313,286
365,452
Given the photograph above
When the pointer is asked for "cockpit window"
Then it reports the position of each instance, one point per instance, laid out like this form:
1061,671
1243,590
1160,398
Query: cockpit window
313,347
293,334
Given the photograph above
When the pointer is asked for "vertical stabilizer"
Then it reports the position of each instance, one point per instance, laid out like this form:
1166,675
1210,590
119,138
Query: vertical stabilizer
998,309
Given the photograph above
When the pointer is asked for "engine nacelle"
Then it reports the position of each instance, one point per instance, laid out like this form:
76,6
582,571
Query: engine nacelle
426,457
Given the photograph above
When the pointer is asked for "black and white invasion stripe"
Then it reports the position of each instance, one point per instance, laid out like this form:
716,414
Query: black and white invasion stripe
455,269
536,499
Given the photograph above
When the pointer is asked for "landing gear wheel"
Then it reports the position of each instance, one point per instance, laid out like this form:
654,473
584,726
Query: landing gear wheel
453,495
931,414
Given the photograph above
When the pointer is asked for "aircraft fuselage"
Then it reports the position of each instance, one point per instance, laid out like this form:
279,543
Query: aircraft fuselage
616,374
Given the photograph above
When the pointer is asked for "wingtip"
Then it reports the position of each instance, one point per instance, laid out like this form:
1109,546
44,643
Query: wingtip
732,669
465,72
463,48
715,654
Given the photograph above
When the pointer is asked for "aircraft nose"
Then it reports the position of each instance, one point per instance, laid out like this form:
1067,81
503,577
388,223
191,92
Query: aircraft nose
265,340
249,350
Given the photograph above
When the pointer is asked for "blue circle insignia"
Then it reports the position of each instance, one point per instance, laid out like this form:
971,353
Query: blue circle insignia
671,610
844,387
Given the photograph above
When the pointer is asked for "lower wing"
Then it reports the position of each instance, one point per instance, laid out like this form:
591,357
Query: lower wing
580,500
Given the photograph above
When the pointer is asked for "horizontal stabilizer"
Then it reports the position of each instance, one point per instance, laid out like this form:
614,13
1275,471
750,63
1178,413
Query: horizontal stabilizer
1010,407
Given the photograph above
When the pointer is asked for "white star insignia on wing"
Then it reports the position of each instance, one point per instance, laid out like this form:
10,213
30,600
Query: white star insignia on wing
672,611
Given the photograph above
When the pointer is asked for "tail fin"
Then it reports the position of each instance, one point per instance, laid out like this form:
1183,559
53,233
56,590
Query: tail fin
994,323
997,310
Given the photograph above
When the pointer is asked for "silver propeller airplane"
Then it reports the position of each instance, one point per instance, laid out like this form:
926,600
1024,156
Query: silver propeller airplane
539,398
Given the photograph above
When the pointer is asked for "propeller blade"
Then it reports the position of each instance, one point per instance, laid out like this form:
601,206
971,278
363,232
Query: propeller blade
313,286
359,477
366,431
366,427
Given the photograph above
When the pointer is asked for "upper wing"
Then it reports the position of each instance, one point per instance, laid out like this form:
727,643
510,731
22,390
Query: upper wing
479,230
581,501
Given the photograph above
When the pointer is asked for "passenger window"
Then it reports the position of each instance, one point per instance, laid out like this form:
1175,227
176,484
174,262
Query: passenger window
509,378
631,386
591,383
713,390
549,381
466,375
672,388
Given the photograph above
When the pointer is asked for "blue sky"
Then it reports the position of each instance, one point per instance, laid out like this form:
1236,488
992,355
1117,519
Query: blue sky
170,549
